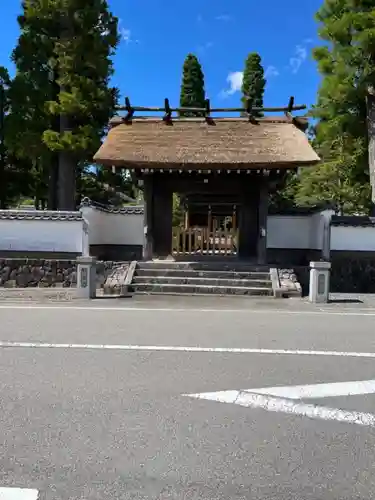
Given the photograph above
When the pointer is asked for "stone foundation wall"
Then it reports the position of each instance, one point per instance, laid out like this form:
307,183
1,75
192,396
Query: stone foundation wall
32,273
117,253
303,277
290,257
351,272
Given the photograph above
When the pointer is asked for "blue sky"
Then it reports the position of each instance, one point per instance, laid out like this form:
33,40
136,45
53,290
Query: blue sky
157,35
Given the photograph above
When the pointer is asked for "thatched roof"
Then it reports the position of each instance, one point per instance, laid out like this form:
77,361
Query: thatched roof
225,142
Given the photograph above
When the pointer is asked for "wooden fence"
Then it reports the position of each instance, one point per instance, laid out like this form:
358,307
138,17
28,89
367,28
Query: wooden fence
202,241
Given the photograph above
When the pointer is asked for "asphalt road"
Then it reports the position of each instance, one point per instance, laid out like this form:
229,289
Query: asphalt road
95,422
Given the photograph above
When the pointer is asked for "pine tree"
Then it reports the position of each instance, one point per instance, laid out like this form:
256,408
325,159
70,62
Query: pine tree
63,60
253,82
4,84
347,65
192,87
14,173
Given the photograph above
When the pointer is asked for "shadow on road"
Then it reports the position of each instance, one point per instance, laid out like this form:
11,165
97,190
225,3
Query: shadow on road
345,301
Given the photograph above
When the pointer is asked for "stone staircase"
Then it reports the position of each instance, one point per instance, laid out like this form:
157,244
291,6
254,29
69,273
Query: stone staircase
201,278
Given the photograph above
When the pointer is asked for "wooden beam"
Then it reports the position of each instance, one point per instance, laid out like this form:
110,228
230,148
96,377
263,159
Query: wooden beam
207,113
282,109
128,109
291,104
168,112
249,108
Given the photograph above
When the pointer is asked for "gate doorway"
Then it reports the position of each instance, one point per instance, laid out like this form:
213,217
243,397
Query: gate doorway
206,228
201,241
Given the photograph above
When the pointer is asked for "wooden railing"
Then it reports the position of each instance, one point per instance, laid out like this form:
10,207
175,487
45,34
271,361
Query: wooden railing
202,241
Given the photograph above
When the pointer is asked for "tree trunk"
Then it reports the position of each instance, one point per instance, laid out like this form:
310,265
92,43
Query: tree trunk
53,170
66,182
66,174
67,166
52,182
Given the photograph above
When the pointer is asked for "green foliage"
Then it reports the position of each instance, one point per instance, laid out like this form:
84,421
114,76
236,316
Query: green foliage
86,40
192,88
334,180
253,83
61,97
283,197
347,64
106,187
14,174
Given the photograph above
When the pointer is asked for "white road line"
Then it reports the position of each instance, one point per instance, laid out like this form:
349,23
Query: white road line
269,403
18,494
197,349
315,312
319,390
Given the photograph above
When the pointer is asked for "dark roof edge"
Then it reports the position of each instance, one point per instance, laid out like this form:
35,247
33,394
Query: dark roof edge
127,210
301,120
353,220
40,215
302,210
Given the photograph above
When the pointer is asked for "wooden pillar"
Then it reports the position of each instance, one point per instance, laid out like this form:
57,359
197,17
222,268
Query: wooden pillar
371,142
162,218
262,221
209,219
248,225
148,197
234,218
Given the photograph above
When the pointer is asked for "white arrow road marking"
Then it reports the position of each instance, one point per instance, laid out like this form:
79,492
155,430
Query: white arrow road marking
18,494
320,390
283,399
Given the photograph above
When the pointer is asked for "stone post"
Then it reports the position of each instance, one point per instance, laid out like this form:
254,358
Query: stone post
319,282
86,277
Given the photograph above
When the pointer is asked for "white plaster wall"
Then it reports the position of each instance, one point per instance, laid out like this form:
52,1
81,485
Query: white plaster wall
293,231
127,229
317,224
353,238
42,235
113,229
290,231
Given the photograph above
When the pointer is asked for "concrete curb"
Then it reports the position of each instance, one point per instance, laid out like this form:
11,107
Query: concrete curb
129,279
278,291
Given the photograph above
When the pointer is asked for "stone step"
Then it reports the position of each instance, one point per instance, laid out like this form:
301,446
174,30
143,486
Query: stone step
115,282
199,281
191,273
220,265
188,289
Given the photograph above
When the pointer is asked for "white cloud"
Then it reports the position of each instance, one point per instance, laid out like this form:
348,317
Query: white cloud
300,55
223,17
271,71
203,48
234,79
125,33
